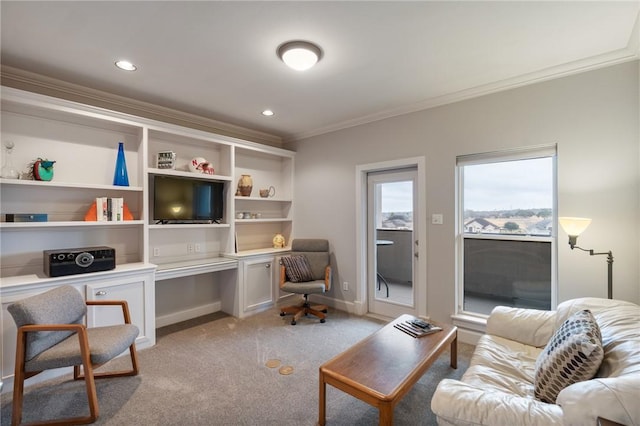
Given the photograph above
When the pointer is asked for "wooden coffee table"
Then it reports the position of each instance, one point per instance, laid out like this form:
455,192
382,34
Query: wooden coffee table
383,367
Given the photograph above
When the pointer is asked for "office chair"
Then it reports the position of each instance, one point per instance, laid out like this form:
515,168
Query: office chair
52,334
306,271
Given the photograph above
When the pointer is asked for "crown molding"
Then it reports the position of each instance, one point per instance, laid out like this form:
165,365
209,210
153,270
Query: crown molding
33,82
628,54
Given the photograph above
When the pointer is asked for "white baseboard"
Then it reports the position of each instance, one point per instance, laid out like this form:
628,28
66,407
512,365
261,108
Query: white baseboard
350,307
188,314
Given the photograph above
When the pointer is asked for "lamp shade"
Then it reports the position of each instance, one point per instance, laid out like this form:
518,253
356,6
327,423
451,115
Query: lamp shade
574,226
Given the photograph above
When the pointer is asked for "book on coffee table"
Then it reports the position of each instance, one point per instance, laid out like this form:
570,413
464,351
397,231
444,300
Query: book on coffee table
417,327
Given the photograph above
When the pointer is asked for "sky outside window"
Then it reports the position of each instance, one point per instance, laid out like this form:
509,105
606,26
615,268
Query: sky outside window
522,184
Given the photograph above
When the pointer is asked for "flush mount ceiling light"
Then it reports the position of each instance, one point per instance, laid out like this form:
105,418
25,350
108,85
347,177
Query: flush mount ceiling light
299,55
125,65
267,113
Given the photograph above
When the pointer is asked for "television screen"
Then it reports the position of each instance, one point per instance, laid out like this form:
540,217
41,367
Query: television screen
186,200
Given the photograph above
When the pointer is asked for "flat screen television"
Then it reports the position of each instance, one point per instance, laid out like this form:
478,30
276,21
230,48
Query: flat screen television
187,200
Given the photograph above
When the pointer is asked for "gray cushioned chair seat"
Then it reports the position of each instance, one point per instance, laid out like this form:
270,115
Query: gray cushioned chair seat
105,343
308,287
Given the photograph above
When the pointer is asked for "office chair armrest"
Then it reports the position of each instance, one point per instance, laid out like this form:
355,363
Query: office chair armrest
327,278
123,303
283,275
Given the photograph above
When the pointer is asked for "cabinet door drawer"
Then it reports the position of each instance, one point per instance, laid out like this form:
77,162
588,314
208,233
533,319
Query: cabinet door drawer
137,290
258,285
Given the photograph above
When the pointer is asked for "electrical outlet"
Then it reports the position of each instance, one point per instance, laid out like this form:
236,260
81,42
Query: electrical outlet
198,248
190,248
345,286
156,251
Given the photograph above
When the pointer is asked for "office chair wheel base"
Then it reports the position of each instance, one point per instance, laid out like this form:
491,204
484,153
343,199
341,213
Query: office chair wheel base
293,322
322,320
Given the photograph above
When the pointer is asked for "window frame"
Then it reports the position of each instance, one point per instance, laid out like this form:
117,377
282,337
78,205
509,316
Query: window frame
544,151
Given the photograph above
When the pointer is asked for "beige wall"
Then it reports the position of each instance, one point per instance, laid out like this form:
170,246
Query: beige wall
594,119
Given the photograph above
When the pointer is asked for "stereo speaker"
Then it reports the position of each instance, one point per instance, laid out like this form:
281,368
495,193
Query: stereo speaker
58,263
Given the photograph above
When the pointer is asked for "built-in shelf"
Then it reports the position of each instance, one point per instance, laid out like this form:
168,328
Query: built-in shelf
271,199
261,220
74,185
189,226
191,175
257,252
68,224
41,278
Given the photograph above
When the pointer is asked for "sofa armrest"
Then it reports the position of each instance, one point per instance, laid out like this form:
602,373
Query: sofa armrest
460,403
612,398
531,327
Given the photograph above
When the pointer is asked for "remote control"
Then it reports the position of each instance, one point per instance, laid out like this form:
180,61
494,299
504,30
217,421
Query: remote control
420,323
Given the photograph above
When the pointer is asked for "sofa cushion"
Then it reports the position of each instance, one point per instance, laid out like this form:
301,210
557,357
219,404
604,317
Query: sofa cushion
297,268
573,354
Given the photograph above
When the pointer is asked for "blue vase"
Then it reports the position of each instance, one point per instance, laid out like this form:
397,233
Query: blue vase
120,177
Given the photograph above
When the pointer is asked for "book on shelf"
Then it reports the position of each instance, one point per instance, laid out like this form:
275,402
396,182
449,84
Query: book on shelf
109,209
417,327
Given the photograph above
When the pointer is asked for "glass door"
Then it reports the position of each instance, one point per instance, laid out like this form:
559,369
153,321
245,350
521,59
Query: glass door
392,242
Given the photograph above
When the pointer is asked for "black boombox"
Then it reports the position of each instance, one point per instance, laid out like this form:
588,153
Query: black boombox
62,262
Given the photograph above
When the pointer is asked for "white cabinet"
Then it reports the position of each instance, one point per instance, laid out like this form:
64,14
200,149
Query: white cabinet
258,279
138,289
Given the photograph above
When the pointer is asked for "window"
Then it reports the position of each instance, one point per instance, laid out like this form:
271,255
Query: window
506,236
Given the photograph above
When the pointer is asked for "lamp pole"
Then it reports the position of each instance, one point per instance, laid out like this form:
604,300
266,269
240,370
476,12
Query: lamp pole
609,268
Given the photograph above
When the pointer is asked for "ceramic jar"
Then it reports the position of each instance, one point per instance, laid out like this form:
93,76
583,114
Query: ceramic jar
245,185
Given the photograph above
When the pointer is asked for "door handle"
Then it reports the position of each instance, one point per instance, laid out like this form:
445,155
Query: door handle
268,265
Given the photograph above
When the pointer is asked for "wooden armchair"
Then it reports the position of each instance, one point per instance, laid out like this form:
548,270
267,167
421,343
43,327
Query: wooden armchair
52,334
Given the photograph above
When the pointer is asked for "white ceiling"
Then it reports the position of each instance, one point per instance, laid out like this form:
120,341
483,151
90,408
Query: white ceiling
217,59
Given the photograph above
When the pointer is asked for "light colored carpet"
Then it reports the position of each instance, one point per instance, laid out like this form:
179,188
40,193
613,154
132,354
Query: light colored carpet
211,371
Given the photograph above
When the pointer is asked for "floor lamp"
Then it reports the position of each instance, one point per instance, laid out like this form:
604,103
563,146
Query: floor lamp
574,226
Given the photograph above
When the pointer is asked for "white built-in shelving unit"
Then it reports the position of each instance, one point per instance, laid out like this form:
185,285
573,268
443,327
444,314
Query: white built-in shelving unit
83,142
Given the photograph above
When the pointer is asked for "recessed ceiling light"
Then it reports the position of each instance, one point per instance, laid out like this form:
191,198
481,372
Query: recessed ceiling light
267,113
299,55
125,65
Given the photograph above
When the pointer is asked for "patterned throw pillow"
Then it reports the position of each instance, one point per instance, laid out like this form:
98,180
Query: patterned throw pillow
297,268
573,354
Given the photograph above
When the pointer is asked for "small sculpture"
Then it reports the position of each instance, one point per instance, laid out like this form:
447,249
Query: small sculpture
41,169
200,165
278,241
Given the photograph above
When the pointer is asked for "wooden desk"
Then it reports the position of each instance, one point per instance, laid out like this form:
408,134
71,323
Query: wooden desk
383,367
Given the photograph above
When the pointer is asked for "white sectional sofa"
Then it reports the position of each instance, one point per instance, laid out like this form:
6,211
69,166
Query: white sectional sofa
498,387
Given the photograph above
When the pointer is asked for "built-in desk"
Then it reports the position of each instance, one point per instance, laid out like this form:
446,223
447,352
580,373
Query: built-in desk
168,271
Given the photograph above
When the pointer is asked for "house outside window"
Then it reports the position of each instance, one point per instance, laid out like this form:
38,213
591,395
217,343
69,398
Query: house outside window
506,239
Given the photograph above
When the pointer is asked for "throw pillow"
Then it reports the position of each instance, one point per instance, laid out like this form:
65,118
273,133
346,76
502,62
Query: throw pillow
573,354
297,268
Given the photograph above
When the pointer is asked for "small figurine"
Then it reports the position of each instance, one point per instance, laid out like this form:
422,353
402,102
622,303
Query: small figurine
200,165
41,169
278,241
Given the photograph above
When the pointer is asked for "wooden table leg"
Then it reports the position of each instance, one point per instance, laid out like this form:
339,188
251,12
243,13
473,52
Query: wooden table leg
322,398
454,352
385,414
